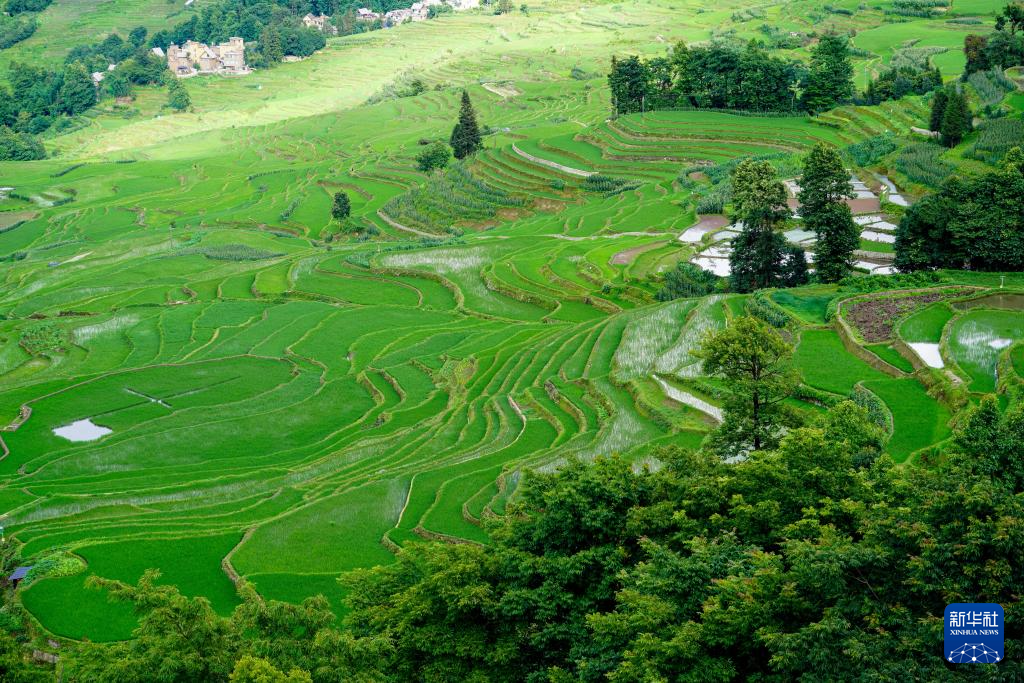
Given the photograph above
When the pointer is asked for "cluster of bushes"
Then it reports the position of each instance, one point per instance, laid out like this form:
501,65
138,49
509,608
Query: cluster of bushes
995,138
953,228
901,81
870,151
991,85
607,185
688,280
22,6
15,29
1002,48
916,8
922,163
448,197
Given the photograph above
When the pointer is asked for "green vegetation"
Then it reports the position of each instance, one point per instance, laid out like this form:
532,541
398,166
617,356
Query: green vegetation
300,351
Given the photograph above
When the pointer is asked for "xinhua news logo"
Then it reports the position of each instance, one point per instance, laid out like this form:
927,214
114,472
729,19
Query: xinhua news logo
974,633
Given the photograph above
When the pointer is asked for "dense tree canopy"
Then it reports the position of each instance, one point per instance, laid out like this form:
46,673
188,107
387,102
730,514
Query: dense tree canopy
466,137
829,80
973,222
824,186
759,202
719,76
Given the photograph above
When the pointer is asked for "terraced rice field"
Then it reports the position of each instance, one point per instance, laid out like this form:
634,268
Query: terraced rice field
253,395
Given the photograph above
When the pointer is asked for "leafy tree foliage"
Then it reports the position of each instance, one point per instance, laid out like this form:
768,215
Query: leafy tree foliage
77,92
341,207
829,80
630,84
15,146
956,119
433,156
939,102
823,187
14,666
20,6
181,640
901,81
178,98
759,202
1002,48
752,358
973,222
466,138
794,270
687,280
792,564
716,76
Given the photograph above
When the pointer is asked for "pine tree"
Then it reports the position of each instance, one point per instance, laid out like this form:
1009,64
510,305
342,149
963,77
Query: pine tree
830,78
341,208
466,138
939,102
956,120
759,201
77,92
178,98
823,187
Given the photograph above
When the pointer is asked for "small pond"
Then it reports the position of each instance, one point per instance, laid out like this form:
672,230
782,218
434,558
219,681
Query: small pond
82,430
1012,302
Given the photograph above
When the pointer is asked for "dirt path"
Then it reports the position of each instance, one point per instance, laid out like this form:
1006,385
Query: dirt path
625,257
552,164
505,91
398,226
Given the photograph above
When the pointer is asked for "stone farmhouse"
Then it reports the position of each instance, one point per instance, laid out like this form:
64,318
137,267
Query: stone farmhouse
322,23
198,58
417,12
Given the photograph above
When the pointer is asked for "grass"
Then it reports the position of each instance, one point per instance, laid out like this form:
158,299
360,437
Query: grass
262,371
927,324
827,365
918,420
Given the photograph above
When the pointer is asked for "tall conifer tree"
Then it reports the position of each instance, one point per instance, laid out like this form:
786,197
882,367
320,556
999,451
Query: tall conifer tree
466,138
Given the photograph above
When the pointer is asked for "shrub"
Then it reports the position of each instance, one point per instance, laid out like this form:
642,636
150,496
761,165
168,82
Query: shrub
870,151
995,139
434,156
922,163
16,146
607,185
687,280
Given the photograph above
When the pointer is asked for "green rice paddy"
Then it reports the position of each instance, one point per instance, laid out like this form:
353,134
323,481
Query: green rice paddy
285,403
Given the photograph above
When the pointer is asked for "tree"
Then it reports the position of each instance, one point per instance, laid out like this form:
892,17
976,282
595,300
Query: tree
178,98
117,84
77,92
341,207
824,186
270,45
753,359
250,669
629,82
956,119
759,202
939,102
829,80
137,36
794,271
466,138
687,280
433,156
15,146
976,52
954,228
14,664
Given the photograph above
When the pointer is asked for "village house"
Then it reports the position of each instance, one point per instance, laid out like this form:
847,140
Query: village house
417,12
193,57
321,23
